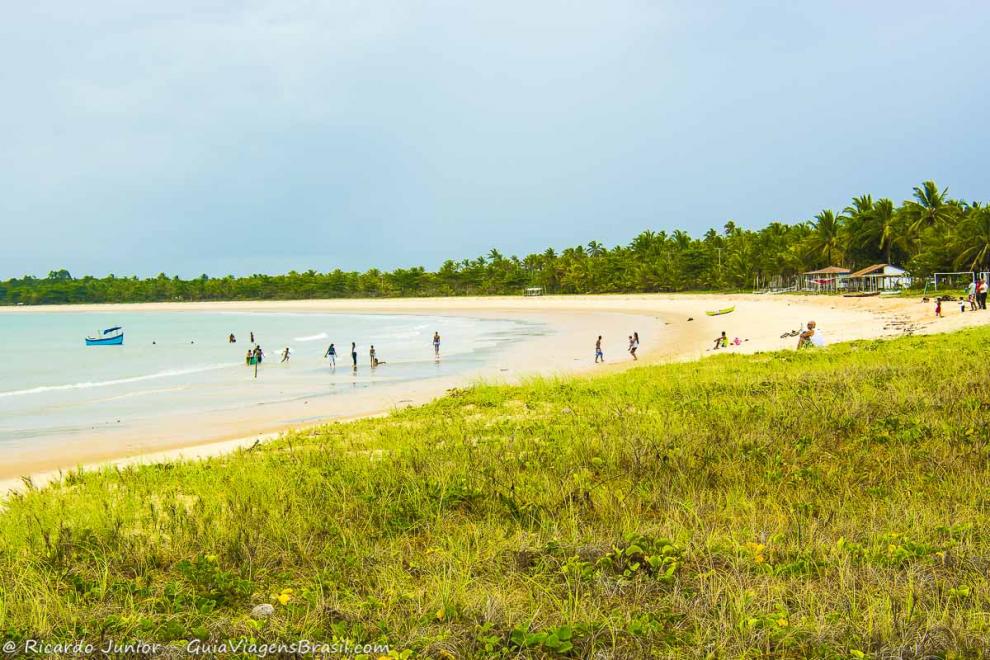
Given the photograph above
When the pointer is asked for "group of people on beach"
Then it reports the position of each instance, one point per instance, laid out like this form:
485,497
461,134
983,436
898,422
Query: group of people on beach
257,355
633,347
254,355
977,295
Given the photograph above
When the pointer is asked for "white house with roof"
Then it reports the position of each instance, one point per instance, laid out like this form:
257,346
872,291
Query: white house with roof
879,277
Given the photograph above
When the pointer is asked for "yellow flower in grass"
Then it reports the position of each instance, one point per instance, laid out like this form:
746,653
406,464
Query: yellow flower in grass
283,597
756,550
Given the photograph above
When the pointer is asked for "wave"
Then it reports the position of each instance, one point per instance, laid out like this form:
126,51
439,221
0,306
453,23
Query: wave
168,373
322,335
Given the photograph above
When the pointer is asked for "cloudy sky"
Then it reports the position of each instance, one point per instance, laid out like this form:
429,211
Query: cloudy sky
271,135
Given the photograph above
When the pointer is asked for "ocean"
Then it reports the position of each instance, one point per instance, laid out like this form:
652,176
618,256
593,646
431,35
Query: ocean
179,366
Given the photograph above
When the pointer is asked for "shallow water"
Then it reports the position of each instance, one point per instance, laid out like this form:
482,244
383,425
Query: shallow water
180,364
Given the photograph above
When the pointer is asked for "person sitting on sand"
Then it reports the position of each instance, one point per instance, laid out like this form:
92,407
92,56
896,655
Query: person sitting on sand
721,341
598,350
810,337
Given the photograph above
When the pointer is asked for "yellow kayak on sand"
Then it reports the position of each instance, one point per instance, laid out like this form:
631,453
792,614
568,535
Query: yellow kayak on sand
717,312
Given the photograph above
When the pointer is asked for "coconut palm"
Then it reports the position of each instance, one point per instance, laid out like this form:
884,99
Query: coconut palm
973,239
881,228
930,207
825,240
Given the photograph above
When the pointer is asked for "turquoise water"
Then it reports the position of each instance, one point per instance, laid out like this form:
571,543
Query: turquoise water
180,364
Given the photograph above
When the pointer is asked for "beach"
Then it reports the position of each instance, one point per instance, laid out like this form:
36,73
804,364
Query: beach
671,327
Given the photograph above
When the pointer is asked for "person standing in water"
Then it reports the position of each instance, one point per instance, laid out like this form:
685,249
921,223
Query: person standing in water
232,339
634,345
371,355
354,354
252,336
332,354
285,354
436,345
598,350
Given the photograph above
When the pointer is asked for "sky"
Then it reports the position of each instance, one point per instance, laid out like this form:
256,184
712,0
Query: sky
271,135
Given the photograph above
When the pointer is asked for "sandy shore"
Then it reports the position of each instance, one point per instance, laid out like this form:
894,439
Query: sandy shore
672,328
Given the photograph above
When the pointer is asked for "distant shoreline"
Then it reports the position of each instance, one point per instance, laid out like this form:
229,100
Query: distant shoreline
673,328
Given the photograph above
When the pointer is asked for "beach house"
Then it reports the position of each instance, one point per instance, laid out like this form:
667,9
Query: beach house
825,280
879,277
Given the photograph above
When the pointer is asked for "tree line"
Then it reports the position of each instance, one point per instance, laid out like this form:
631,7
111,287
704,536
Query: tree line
927,233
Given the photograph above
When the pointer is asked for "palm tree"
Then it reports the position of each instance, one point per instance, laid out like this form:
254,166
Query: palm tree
855,221
826,236
973,239
595,249
880,229
930,207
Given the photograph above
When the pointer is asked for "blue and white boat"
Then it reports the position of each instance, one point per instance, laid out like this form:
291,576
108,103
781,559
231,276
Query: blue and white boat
111,337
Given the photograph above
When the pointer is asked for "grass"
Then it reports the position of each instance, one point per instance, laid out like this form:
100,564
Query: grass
825,503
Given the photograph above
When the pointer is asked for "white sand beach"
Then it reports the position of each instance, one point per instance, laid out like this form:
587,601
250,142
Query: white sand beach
671,328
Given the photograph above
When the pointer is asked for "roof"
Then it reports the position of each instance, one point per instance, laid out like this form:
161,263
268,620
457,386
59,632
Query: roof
831,270
869,270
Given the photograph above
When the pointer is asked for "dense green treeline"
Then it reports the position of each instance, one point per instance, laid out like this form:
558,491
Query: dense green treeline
927,233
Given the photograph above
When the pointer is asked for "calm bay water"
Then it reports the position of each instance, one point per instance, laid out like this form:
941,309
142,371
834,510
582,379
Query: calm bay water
180,364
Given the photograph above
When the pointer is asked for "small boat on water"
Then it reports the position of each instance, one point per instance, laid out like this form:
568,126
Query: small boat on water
718,312
111,337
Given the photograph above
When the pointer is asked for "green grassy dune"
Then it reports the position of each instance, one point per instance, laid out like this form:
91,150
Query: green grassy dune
824,503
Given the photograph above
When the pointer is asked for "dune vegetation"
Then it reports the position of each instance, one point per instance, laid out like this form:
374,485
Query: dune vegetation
821,503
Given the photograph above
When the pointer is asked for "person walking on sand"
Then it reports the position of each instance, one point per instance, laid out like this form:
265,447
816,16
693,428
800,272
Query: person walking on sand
371,356
599,356
354,355
938,307
436,345
332,354
634,345
285,354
